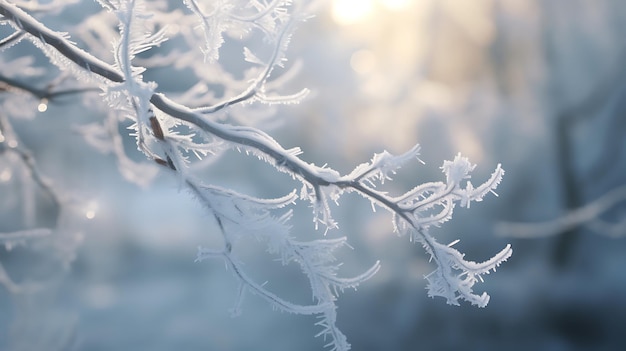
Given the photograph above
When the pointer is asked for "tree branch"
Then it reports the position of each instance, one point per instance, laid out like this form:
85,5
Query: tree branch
25,22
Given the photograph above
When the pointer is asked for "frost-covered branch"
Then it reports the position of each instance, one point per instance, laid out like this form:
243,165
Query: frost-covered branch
242,217
10,240
256,89
12,85
10,144
24,22
247,284
169,133
587,215
223,15
58,239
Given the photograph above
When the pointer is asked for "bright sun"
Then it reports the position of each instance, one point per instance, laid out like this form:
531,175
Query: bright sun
351,11
347,12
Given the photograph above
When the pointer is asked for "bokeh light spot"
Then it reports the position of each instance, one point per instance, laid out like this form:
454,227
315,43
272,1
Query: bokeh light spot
363,61
5,175
43,106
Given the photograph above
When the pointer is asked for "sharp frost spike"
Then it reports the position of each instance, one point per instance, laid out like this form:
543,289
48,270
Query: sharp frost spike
458,169
251,57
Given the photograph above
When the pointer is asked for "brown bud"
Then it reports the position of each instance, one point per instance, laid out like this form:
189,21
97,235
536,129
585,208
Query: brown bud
156,128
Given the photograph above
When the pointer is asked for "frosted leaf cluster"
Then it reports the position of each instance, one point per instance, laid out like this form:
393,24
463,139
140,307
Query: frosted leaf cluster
177,132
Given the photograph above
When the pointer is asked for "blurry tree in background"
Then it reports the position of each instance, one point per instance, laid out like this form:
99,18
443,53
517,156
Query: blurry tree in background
91,262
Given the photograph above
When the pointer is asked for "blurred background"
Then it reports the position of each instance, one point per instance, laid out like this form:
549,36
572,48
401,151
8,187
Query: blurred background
537,85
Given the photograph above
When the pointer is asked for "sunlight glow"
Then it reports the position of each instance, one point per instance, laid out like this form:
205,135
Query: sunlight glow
91,214
347,12
395,5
